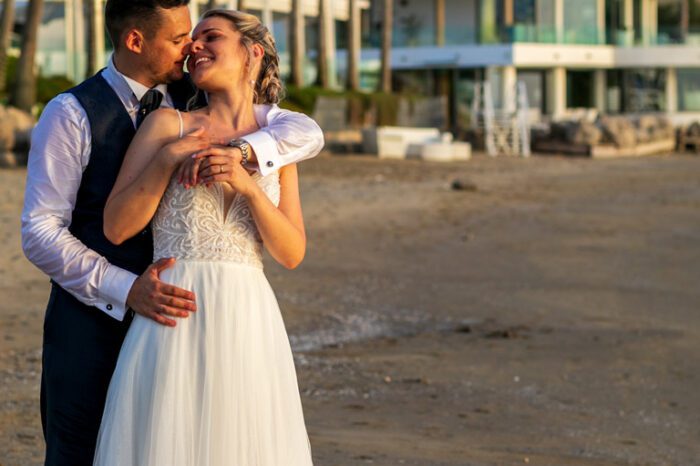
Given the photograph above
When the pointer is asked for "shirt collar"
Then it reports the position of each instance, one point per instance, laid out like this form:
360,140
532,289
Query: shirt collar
126,84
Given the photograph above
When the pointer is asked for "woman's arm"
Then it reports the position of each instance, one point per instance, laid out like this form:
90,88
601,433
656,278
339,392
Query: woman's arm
282,227
149,163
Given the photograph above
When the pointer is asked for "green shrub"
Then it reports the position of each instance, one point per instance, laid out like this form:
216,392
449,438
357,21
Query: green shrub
386,105
47,87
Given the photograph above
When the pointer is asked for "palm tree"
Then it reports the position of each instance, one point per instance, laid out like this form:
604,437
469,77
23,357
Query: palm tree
440,22
297,44
24,94
95,36
323,78
7,22
353,81
388,26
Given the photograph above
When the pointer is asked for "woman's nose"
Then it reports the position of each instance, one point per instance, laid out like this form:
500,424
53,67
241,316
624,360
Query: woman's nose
195,46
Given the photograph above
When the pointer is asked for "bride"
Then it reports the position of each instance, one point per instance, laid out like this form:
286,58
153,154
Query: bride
220,388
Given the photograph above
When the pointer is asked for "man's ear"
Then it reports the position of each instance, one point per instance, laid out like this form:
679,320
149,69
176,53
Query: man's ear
134,41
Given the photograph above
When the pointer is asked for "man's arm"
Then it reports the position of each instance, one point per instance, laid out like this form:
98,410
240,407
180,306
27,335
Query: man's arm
59,153
284,138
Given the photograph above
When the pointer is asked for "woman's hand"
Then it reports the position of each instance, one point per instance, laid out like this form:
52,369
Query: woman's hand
176,152
222,164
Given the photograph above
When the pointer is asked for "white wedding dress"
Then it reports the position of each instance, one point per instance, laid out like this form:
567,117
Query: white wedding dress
220,388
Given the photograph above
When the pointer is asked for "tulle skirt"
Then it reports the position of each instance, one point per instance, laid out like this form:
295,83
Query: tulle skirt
219,389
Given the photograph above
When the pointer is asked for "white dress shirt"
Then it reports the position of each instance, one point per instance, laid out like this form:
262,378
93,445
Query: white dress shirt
60,152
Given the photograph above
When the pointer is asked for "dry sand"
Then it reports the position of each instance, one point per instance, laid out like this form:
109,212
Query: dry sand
548,314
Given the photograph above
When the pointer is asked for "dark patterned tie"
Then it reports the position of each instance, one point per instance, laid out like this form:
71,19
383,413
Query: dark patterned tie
149,102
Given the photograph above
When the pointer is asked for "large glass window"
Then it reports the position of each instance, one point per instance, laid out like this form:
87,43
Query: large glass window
581,21
414,24
311,33
341,34
524,21
51,44
640,90
693,36
669,25
281,31
637,21
615,30
535,87
546,30
579,89
460,22
689,90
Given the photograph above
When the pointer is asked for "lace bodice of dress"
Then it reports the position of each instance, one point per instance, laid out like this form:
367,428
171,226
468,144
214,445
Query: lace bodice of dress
191,224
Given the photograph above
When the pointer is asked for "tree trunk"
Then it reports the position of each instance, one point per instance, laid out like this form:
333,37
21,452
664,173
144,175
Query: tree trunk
322,78
90,27
7,22
211,4
353,80
387,31
440,22
24,93
297,44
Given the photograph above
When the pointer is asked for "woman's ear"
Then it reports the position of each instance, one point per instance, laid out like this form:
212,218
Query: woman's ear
134,41
258,51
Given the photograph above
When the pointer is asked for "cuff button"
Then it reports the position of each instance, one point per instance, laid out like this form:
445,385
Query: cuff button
269,163
109,307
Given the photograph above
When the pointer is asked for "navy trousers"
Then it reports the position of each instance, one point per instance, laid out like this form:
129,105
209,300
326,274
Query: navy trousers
80,350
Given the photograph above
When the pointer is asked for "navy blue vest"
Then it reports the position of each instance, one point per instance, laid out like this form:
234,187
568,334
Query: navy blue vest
111,130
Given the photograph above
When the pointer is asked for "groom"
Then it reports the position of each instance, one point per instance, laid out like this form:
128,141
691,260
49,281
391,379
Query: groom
76,152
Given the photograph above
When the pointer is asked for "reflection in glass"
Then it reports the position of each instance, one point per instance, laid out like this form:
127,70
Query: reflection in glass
689,90
580,21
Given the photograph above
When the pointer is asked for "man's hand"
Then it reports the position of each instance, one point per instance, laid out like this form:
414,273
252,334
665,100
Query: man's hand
154,299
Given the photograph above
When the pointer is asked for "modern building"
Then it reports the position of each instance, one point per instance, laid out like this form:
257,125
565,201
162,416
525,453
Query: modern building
612,55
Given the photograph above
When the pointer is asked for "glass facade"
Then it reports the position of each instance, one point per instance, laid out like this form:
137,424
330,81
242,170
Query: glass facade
669,28
579,89
467,22
535,85
580,22
460,22
615,30
689,90
636,90
311,34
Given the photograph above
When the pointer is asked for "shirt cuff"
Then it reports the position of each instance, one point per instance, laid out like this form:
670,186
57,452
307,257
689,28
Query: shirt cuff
266,153
115,288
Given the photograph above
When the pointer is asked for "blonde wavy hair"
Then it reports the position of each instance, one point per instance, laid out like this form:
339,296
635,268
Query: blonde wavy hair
267,88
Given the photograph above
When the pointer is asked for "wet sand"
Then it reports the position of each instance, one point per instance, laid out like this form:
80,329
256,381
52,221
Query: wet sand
546,314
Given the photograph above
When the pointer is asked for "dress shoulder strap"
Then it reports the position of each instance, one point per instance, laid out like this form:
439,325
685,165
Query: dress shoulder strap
182,125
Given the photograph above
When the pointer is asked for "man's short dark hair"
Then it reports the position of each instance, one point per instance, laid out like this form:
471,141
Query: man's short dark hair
122,15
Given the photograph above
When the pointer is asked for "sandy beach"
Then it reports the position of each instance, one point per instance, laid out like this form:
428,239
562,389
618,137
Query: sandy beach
547,312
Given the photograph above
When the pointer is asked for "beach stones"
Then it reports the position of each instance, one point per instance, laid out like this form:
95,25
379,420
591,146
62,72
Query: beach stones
15,135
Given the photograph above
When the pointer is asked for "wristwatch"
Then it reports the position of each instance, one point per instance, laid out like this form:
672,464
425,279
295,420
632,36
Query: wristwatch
243,145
